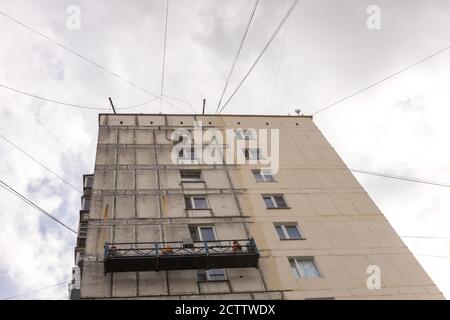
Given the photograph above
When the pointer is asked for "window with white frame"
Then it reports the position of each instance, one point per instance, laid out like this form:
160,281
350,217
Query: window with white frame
202,232
252,154
288,231
191,175
262,176
196,202
304,267
206,233
245,134
275,201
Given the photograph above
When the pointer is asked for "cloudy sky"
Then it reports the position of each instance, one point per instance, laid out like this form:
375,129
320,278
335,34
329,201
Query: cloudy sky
324,52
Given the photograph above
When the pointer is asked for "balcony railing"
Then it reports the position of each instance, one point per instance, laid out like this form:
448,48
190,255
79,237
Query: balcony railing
180,255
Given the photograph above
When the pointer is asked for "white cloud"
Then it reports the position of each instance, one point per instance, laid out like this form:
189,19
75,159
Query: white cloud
324,52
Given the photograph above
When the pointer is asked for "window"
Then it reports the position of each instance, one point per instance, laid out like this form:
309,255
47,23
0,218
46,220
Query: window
245,134
85,203
303,268
211,275
252,154
261,176
275,202
202,233
206,233
82,232
190,175
196,202
88,181
288,232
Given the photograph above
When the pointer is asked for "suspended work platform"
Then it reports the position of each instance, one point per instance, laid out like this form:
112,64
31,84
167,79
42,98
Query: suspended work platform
180,255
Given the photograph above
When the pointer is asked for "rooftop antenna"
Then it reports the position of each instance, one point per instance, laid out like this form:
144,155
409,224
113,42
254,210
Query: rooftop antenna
112,105
204,103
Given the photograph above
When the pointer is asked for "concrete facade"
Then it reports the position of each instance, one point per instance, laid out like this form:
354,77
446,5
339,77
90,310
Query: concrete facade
138,195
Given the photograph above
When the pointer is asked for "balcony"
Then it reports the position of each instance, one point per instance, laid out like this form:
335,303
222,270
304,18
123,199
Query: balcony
180,255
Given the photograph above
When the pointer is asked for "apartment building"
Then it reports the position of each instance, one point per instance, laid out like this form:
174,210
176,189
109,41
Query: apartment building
152,227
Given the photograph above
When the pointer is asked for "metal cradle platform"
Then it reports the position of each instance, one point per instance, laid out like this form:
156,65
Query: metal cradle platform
180,255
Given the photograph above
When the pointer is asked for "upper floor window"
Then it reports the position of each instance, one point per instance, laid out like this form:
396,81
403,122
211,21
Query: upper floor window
288,231
304,267
202,232
252,154
275,201
262,176
206,233
245,134
190,175
88,181
196,202
85,203
211,275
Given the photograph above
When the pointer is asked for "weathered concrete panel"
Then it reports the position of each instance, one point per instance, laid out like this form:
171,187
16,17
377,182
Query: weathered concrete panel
104,180
125,156
126,136
96,238
94,283
107,136
223,205
147,206
124,234
148,233
216,179
125,179
245,279
145,156
121,120
102,207
214,287
124,284
146,179
151,120
105,156
229,231
172,206
170,179
152,283
144,137
125,207
176,232
183,282
163,137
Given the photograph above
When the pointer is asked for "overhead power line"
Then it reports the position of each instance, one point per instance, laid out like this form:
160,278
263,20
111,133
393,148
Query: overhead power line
292,7
164,55
387,175
426,237
382,80
70,104
40,163
79,55
36,290
148,44
432,255
238,52
33,205
38,122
